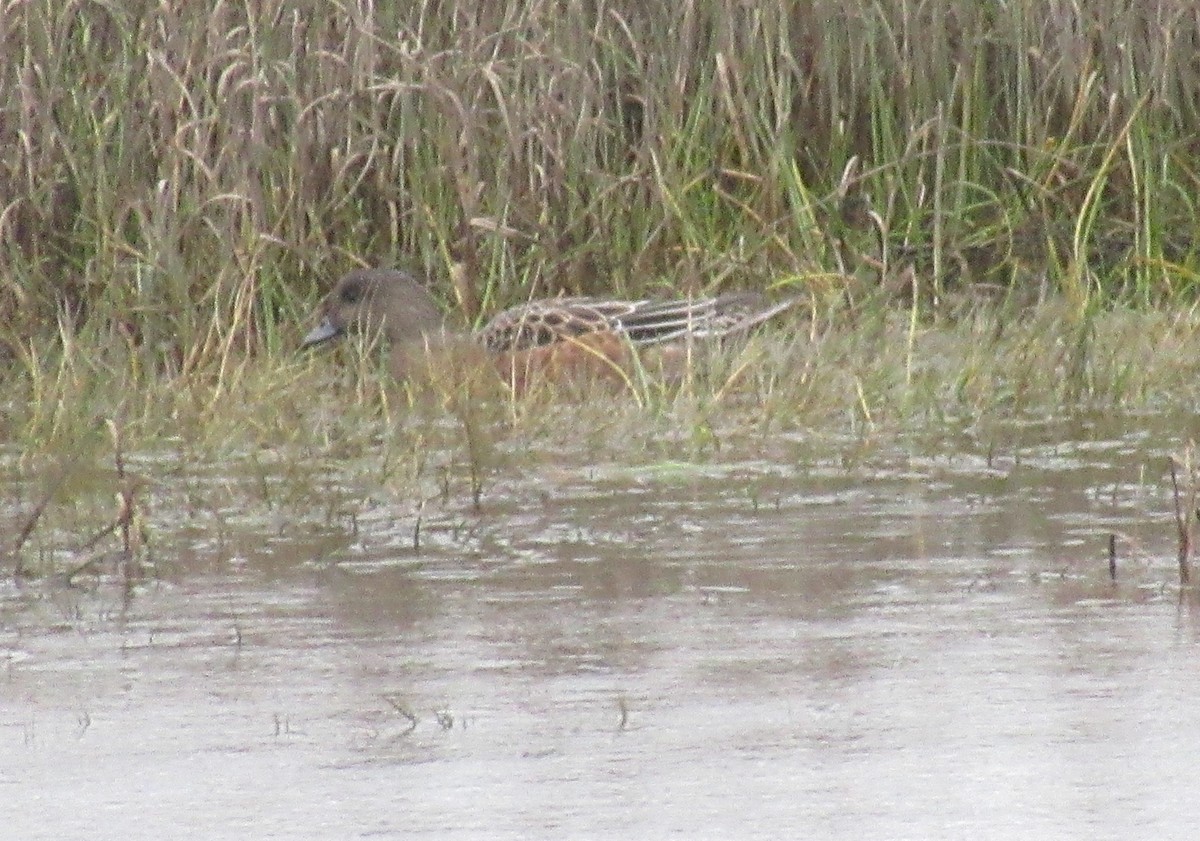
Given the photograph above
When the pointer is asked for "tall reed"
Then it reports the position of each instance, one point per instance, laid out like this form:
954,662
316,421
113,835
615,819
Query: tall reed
187,171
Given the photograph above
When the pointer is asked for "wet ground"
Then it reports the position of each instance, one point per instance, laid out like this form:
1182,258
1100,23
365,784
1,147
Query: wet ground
909,643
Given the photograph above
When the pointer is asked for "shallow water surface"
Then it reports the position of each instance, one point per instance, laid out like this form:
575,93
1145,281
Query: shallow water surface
912,646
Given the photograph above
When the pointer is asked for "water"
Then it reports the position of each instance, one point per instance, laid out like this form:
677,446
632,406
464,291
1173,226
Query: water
905,645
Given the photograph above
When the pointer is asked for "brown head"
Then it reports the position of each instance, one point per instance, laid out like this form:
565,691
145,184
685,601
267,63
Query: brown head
388,302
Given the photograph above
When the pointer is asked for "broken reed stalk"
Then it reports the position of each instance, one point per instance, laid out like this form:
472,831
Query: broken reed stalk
124,521
31,521
416,541
476,447
125,498
404,712
1183,514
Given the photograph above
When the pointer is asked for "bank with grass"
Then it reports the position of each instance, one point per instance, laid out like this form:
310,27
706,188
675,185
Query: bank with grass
989,206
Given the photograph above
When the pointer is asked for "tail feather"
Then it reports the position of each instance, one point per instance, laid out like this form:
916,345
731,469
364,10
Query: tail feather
654,322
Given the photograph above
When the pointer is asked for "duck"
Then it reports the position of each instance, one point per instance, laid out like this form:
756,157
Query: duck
565,337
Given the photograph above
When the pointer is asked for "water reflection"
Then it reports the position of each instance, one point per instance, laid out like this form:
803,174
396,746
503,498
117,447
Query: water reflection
916,645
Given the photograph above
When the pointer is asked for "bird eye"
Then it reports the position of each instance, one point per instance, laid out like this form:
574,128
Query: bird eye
350,293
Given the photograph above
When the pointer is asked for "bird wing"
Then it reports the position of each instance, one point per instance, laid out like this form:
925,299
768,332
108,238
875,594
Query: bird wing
644,322
653,322
544,322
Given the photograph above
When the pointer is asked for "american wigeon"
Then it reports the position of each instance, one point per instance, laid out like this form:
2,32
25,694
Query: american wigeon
558,335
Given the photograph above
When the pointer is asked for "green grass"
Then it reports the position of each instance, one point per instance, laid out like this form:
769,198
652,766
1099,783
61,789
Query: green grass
310,442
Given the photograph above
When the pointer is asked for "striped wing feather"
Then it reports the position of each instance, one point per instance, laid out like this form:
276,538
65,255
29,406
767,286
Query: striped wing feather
652,322
644,322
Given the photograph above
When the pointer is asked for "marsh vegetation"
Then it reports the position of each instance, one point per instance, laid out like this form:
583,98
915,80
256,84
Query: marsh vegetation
989,206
